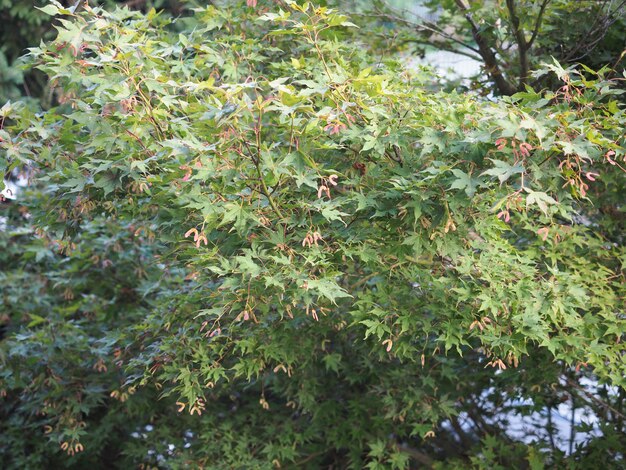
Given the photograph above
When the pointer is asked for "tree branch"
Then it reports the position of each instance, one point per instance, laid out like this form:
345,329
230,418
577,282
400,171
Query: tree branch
538,23
522,47
489,58
596,32
443,47
425,25
416,454
591,396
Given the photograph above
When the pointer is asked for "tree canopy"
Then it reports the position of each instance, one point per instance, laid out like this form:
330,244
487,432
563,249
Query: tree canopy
251,243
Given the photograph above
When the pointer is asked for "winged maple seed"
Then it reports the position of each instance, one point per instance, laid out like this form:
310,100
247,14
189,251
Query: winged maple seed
481,324
280,367
197,407
497,363
504,214
450,226
608,155
500,144
245,316
215,332
198,237
581,365
312,239
188,171
72,449
512,360
543,233
335,127
100,366
323,189
325,186
525,149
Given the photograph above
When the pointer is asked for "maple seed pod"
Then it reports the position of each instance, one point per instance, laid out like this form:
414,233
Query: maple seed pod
504,214
543,233
201,238
317,237
308,240
525,149
215,332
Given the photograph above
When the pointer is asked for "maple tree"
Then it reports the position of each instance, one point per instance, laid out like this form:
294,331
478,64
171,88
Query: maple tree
253,245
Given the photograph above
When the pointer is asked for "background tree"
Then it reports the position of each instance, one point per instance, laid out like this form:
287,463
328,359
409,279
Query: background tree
252,244
510,37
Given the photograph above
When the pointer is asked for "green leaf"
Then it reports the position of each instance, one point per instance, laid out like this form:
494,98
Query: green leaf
541,199
503,171
50,9
327,288
464,181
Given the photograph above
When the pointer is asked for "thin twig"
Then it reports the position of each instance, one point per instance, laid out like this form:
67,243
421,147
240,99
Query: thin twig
425,25
591,396
489,58
538,23
522,47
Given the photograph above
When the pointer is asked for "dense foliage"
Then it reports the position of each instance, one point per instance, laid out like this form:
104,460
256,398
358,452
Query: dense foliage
249,244
24,24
